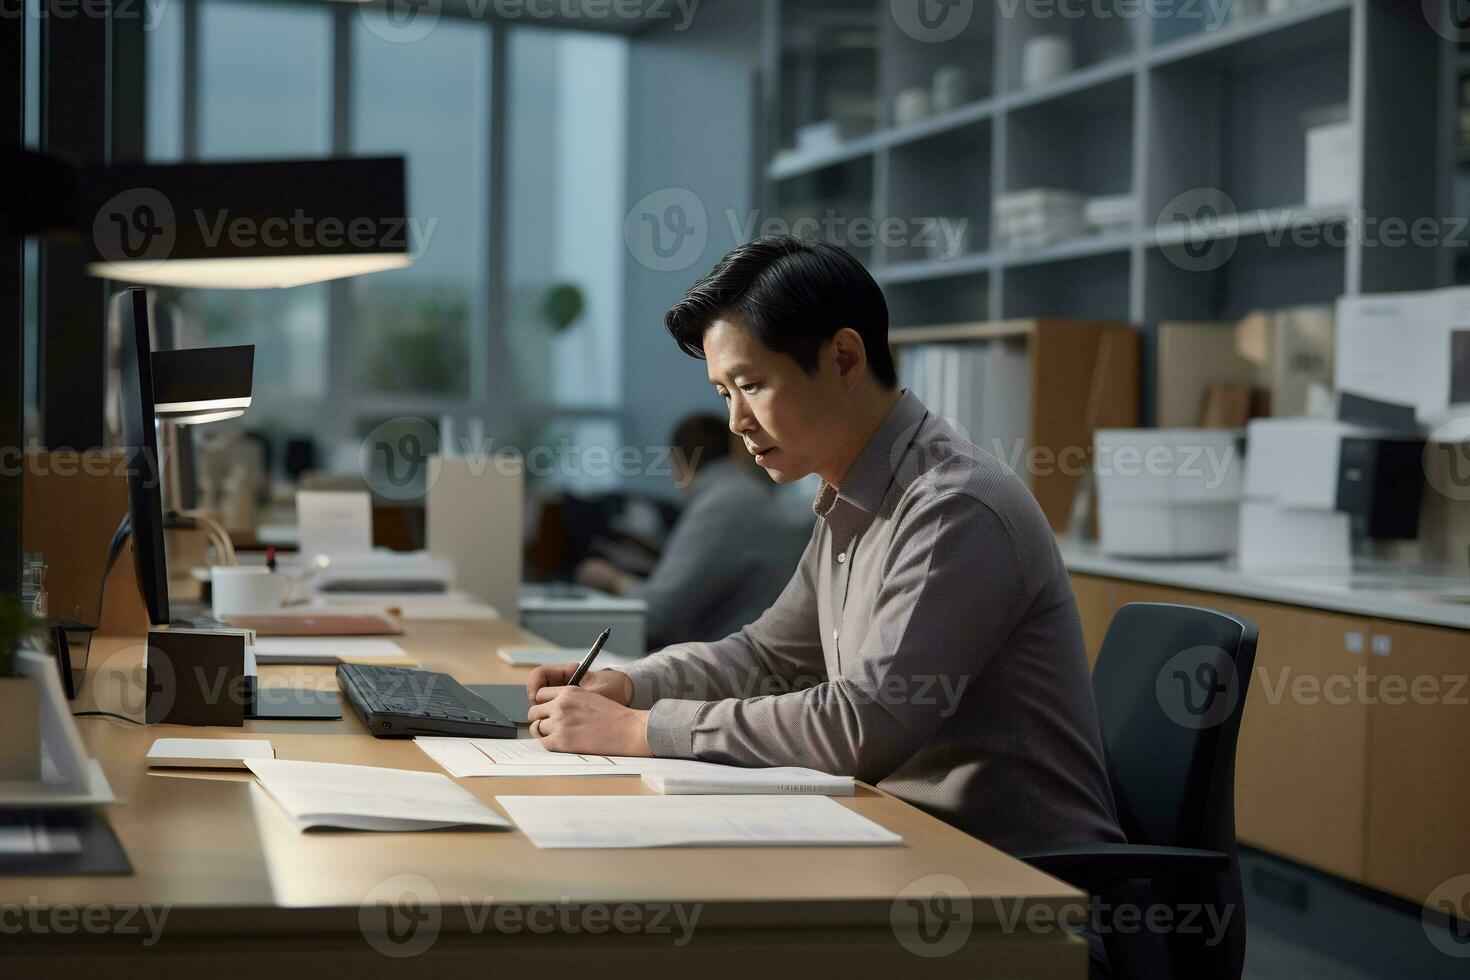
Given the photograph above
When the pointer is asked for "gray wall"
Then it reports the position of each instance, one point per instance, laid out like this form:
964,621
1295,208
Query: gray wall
692,124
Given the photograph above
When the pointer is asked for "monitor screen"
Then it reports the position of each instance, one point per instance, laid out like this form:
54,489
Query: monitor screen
140,443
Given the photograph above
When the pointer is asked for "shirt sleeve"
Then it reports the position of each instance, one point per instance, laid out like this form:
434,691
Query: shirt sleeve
782,650
693,572
953,587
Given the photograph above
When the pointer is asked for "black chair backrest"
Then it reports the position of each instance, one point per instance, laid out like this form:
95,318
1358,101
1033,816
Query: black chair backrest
1170,684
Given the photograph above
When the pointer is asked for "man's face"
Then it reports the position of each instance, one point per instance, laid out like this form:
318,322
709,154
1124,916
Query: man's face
784,415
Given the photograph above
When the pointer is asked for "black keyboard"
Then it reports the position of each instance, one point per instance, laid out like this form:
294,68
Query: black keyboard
401,702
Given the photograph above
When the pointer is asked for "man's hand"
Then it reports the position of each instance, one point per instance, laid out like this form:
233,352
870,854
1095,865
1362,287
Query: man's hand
574,719
611,684
599,573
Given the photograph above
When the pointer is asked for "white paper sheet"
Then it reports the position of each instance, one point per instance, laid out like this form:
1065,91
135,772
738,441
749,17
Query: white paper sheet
325,794
691,821
326,650
334,523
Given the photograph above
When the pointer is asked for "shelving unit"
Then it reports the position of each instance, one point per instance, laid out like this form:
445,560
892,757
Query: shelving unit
1165,109
1080,376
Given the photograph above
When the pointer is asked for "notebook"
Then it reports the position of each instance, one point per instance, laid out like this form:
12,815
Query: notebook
326,794
540,656
784,780
207,753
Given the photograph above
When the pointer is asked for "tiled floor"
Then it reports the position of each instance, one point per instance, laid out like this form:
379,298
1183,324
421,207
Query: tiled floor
1303,927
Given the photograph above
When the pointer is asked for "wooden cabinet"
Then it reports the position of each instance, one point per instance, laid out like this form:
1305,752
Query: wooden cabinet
1300,762
1418,776
1096,606
1301,773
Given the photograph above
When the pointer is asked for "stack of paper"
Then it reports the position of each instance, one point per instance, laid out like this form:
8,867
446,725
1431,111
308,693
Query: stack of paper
691,821
1038,217
1112,214
324,794
327,650
466,757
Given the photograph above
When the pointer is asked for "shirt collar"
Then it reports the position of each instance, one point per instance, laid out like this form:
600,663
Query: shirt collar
872,474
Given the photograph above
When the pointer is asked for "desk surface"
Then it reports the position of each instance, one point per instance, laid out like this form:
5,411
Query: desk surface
210,846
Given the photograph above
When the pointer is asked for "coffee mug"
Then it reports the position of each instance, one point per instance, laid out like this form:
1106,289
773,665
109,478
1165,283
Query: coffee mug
1044,58
237,590
911,106
951,88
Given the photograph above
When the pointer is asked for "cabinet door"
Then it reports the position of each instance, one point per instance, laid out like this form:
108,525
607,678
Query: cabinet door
1300,764
1418,775
1095,604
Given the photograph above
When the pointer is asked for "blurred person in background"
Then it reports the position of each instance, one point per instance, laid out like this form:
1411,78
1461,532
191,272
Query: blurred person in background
730,553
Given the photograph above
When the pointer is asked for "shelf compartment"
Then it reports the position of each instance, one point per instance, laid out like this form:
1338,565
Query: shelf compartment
940,187
958,299
1257,274
1239,128
1270,37
828,71
1094,287
1081,143
1095,41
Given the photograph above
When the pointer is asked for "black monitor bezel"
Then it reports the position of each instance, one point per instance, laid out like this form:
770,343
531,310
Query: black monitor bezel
140,445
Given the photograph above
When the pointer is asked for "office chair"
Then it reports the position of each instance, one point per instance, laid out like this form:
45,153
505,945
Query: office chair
1170,684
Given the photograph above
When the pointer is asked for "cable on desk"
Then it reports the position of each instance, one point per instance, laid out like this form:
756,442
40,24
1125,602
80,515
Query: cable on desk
106,714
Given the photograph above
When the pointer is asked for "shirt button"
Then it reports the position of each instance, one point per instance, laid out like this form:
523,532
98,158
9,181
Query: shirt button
842,557
834,634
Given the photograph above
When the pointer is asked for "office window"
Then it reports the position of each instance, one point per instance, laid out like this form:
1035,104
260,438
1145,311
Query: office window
422,329
164,47
538,361
265,91
565,169
265,79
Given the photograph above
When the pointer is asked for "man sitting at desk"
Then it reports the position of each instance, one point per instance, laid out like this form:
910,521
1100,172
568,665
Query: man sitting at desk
730,552
929,642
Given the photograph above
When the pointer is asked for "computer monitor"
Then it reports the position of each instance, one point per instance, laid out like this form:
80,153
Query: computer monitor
140,444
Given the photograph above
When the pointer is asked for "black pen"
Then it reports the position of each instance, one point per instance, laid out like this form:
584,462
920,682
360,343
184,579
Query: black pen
586,663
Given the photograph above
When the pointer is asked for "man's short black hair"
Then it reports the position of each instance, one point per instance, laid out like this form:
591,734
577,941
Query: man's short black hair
793,295
701,439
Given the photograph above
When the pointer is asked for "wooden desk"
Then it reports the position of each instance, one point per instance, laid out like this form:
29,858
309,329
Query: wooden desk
248,895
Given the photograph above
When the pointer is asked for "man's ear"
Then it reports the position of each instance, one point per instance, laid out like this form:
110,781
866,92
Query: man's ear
850,354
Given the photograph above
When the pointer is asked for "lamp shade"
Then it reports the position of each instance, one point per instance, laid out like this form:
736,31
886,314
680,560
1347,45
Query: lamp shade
202,384
245,225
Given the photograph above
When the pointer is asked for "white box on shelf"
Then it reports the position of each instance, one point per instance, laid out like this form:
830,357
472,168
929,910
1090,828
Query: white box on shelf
1276,538
1332,164
1167,493
1294,461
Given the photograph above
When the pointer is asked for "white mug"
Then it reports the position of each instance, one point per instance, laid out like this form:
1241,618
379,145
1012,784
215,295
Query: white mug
911,106
244,590
1044,58
951,88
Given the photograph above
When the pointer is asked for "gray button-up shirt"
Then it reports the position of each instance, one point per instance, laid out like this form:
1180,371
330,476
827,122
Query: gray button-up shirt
929,643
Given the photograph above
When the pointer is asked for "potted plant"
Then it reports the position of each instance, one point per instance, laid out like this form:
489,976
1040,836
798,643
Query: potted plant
20,708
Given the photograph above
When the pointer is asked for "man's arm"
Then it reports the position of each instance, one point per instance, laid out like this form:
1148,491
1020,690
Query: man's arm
953,587
782,650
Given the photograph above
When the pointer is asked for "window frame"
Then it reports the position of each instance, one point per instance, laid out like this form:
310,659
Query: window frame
490,384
